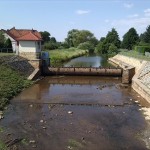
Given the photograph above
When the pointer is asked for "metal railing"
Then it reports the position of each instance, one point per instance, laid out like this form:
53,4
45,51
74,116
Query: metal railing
6,50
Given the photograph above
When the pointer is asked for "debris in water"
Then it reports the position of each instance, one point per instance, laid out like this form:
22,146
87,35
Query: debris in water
1,113
44,127
32,141
31,105
69,147
41,121
1,117
82,138
70,112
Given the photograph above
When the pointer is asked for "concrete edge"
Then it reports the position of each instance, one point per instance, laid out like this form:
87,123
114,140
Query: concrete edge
141,89
35,74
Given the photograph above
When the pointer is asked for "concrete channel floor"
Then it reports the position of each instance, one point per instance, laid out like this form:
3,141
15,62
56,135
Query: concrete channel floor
75,113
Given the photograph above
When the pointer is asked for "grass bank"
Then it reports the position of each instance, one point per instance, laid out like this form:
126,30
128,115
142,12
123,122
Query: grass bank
134,54
7,54
11,83
62,55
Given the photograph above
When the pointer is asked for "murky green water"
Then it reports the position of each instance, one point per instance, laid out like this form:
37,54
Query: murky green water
91,60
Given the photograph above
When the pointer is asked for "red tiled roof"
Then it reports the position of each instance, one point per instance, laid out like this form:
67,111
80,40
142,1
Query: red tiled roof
24,35
29,37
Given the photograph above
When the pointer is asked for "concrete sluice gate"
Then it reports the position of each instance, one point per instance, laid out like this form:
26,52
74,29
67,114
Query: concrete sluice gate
89,71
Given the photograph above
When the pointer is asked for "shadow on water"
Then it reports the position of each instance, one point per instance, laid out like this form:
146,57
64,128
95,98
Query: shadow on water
79,113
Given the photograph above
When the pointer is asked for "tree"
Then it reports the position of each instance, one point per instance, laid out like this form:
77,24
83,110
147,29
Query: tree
113,38
8,44
112,49
86,46
76,37
2,39
70,37
147,35
130,39
53,40
45,36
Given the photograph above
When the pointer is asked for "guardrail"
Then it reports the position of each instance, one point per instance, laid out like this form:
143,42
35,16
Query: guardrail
6,50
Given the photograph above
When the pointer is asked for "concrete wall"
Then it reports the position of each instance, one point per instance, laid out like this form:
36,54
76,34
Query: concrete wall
142,69
130,61
27,46
29,49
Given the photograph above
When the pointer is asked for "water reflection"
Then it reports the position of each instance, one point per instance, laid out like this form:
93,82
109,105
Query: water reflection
89,61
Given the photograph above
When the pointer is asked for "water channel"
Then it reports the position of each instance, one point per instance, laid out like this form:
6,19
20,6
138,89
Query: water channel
77,113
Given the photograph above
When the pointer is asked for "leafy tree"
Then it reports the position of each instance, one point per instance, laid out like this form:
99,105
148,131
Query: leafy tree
105,43
76,37
70,37
2,39
8,43
50,46
147,35
113,38
45,36
130,39
112,49
102,39
86,46
102,47
53,40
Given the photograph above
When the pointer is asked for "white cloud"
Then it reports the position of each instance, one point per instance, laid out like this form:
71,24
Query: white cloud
128,5
134,22
82,12
133,16
147,12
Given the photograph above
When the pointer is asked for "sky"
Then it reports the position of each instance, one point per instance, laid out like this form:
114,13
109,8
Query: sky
59,16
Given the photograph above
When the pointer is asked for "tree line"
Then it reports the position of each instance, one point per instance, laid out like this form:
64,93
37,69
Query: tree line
84,39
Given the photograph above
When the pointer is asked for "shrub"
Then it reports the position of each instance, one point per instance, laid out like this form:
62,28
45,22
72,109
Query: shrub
86,46
112,49
142,49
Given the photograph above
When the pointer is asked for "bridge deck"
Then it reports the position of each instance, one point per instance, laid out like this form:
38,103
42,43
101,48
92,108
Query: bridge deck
89,71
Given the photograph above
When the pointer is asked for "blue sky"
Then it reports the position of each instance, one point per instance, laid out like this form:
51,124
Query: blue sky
60,16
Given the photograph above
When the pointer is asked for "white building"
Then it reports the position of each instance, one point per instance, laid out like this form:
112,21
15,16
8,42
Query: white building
26,43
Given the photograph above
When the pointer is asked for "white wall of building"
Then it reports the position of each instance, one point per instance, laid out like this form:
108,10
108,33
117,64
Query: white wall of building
27,46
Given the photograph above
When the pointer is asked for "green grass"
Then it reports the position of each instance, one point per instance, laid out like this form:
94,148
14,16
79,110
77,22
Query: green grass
74,145
11,83
62,55
2,146
134,54
7,54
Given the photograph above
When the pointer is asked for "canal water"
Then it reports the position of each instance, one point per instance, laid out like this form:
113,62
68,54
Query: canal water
89,60
76,113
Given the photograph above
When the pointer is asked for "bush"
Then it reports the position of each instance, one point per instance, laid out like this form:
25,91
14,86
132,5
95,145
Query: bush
112,49
50,46
142,49
86,46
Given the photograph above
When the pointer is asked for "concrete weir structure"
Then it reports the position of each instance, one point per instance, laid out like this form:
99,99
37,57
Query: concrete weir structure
89,71
141,78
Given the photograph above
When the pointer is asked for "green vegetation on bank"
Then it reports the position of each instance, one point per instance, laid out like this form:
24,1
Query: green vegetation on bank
62,55
134,54
11,83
